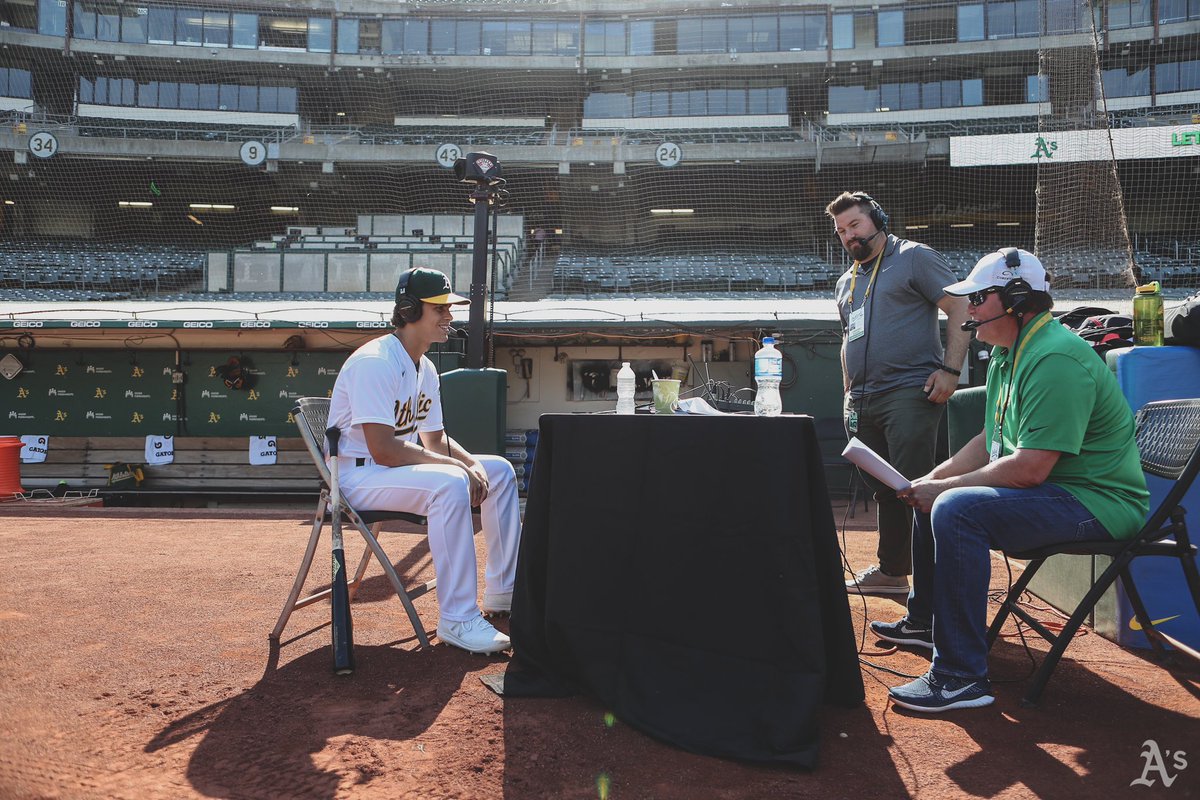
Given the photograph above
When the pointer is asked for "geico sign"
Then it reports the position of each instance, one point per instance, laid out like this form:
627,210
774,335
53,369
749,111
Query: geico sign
197,324
314,324
142,323
85,323
33,323
256,323
370,325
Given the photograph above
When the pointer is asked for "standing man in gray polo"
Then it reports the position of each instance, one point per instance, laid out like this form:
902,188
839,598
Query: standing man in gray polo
895,374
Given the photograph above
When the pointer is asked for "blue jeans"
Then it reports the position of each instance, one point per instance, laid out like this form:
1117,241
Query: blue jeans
952,564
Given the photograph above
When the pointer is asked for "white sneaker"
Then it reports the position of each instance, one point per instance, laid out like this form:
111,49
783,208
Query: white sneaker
873,580
498,603
475,635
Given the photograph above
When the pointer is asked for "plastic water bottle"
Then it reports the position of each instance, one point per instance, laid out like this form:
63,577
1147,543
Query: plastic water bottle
1148,315
768,373
626,386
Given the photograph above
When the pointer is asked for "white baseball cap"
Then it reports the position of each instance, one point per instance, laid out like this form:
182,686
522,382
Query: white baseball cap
998,268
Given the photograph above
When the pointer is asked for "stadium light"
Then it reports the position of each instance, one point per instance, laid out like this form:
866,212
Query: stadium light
1008,224
285,209
211,207
673,212
9,203
915,227
132,204
962,224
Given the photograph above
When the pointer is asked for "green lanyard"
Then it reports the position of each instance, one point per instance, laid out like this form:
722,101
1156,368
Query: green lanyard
1012,378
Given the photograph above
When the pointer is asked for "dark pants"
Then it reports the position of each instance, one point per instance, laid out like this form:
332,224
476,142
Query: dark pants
901,426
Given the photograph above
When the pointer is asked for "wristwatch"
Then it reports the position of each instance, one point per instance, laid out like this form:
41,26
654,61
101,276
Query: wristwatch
955,372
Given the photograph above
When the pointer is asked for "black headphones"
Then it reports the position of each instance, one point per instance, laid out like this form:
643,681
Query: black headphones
1014,294
408,308
877,214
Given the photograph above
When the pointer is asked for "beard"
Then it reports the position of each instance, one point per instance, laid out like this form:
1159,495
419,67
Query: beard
860,251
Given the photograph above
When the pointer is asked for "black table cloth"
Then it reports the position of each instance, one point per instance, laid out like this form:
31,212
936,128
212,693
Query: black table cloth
685,571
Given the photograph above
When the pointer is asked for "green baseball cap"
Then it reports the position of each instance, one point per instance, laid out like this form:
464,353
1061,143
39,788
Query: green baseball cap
429,286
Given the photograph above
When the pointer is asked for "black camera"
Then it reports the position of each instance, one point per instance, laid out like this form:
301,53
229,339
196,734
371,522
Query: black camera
478,168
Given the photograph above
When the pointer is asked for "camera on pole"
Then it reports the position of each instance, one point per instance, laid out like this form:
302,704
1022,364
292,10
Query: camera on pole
482,170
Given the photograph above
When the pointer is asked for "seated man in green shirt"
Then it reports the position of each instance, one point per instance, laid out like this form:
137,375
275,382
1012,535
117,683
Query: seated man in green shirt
1056,462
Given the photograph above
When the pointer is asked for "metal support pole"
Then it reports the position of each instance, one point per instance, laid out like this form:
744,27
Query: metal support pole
475,320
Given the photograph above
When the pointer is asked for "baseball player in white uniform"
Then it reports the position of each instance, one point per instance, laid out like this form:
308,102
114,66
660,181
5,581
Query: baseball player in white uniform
394,455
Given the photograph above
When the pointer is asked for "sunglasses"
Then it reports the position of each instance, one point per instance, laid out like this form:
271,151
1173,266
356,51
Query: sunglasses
979,298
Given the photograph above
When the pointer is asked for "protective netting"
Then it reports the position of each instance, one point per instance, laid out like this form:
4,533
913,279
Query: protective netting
243,150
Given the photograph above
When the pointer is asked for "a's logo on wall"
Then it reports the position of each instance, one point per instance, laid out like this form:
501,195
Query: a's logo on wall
1044,149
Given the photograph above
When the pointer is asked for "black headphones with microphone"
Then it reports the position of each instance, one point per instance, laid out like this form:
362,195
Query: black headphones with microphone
408,308
878,216
1014,294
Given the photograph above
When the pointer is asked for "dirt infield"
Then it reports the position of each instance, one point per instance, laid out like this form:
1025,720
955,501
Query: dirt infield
135,664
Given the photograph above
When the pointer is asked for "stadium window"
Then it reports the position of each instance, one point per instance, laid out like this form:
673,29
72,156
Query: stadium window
970,23
680,104
227,97
85,21
931,94
1172,10
910,96
160,25
1166,78
568,39
99,93
889,97
209,97
289,99
853,99
791,32
147,94
276,30
1027,18
741,34
1140,13
697,102
21,17
20,82
716,102
441,37
735,101
1037,88
245,31
247,98
133,24
108,23
268,99
492,37
777,100
1189,76
890,28
466,37
1063,16
1118,14
168,94
929,25
416,37
189,96
1001,20
87,90
347,35
370,37
843,32
52,17
320,34
391,36
544,38
593,38
641,37
607,105
688,35
972,92
641,104
766,33
951,94
216,28
189,26
518,40
713,37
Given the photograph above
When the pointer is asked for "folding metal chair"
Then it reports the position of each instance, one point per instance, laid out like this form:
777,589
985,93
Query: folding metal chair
312,415
1168,439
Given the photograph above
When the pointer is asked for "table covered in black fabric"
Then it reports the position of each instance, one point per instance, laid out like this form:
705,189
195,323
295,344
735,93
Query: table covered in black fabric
685,571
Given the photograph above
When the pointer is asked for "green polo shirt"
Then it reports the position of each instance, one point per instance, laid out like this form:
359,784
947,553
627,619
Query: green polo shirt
1061,397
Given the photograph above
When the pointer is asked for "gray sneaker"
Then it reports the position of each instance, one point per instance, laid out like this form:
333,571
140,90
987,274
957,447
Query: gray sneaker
873,580
475,636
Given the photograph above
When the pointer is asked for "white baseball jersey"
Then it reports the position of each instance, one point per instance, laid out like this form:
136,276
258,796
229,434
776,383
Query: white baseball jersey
379,383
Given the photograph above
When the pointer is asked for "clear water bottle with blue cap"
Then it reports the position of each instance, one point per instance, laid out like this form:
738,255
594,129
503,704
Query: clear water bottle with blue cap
768,374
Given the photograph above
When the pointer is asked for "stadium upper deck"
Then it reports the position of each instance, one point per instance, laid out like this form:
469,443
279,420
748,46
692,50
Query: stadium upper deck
651,131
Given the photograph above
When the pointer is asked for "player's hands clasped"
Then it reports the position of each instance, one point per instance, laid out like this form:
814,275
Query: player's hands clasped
479,483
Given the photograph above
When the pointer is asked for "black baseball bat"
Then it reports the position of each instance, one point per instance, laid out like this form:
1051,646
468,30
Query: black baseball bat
339,592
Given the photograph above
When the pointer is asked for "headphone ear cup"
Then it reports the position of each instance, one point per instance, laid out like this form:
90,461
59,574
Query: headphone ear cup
879,216
409,308
1015,294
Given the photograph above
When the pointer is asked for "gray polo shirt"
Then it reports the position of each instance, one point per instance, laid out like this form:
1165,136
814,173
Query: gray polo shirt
903,343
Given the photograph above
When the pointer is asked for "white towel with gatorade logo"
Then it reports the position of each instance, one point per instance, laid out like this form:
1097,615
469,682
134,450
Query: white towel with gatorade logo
33,449
262,450
160,450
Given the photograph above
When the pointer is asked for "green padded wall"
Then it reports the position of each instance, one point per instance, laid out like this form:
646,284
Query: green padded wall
474,407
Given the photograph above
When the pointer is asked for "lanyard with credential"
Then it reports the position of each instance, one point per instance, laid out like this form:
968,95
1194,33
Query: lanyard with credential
1012,378
870,283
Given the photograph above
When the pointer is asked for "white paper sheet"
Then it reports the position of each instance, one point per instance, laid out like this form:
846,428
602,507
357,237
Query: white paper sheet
859,454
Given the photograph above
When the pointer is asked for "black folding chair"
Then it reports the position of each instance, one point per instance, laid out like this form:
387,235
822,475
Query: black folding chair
312,414
1168,439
